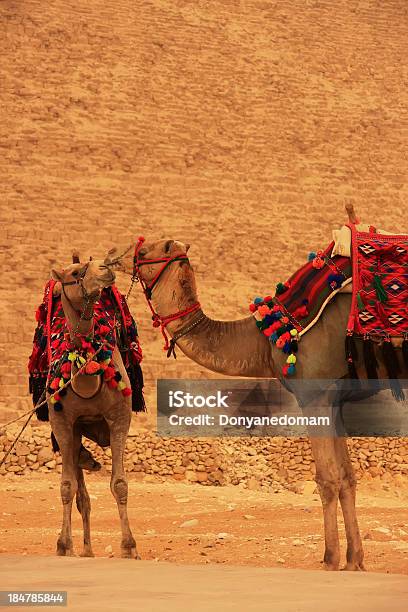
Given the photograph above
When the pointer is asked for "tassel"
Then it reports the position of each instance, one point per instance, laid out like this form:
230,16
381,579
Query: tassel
55,446
393,369
405,351
379,288
360,303
370,360
351,356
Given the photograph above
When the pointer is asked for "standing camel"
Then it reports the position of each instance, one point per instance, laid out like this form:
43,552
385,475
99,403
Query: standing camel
89,402
237,348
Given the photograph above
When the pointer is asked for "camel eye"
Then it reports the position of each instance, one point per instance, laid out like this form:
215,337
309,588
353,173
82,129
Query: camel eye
75,273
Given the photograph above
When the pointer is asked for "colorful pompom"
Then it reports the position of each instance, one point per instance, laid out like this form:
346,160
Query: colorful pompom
258,300
281,288
55,383
126,392
57,406
291,359
264,310
92,368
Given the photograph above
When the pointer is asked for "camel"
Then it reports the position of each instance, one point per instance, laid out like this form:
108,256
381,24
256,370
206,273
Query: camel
237,348
89,404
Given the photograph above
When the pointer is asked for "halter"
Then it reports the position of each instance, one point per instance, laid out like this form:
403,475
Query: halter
159,320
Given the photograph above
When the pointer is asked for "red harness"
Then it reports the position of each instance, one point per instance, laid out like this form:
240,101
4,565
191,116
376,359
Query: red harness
158,320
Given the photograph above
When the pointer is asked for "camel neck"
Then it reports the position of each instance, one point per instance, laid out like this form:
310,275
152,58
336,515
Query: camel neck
76,325
232,348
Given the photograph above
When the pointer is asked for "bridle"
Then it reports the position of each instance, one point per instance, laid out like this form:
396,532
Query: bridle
159,320
88,300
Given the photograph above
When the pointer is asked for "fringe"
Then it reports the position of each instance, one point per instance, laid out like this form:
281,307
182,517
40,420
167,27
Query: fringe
134,371
37,389
393,368
351,356
55,446
370,360
405,351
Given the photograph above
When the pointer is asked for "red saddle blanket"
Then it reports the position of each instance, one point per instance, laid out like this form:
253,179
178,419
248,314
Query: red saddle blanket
380,285
51,344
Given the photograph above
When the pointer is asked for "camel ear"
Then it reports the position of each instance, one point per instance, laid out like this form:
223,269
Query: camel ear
168,245
57,289
187,247
75,257
57,276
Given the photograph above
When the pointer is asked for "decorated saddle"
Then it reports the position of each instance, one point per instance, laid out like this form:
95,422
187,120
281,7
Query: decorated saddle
113,326
377,265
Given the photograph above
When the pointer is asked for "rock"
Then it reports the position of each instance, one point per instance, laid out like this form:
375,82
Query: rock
191,476
45,454
21,449
252,484
201,476
190,523
223,535
249,517
298,542
109,550
182,500
51,464
309,487
379,534
280,560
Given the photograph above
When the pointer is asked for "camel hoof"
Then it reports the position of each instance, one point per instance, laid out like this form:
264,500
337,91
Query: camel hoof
330,567
87,553
354,567
130,553
63,550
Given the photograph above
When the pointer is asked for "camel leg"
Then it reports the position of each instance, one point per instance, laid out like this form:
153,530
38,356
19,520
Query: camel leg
119,486
347,495
328,482
69,447
83,503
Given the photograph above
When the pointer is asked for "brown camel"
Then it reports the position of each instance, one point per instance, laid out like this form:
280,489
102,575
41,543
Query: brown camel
237,348
89,404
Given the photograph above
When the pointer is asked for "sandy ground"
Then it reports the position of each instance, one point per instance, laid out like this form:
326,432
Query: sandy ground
248,528
102,584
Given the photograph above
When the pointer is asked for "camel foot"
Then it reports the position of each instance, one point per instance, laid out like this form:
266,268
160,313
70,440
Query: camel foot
87,552
130,553
64,551
354,566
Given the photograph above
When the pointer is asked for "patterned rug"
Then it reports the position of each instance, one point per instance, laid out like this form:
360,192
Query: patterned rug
379,309
380,285
52,345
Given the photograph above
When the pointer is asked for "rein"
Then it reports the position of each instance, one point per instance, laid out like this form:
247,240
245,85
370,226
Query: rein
162,320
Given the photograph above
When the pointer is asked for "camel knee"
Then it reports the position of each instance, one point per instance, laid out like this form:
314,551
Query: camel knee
120,490
329,489
68,490
348,483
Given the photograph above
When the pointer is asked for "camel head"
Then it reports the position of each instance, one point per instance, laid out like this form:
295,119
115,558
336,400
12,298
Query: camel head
176,282
85,281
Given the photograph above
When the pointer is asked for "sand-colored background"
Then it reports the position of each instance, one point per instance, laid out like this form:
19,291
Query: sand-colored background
240,127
